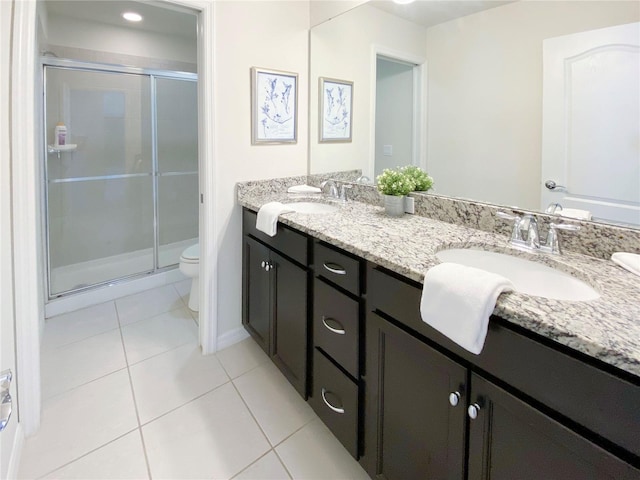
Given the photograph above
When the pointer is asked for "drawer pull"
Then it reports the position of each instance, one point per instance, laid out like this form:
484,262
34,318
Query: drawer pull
326,402
335,268
339,331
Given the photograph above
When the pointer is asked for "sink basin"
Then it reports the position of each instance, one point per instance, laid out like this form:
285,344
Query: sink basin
312,208
528,277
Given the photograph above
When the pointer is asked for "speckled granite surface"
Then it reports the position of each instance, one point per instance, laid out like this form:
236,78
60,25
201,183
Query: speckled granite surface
607,328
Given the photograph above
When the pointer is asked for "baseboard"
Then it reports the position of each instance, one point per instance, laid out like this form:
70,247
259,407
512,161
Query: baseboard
16,453
232,337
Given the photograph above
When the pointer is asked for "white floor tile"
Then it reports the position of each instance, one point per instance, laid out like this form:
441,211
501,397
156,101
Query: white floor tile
159,334
268,467
147,304
278,408
171,379
73,326
242,357
121,459
314,453
79,421
212,437
72,365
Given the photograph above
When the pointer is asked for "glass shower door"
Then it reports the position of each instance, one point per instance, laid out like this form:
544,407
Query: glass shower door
100,209
177,154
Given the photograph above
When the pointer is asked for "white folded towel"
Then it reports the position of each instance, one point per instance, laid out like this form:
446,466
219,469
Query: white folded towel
268,214
458,301
304,189
628,261
575,213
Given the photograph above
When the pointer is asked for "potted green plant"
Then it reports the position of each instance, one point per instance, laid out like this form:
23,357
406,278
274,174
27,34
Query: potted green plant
423,182
394,185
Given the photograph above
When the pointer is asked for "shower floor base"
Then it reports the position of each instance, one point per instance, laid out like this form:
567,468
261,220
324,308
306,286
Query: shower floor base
85,274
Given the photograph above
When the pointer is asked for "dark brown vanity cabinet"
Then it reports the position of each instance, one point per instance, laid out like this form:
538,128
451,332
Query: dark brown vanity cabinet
275,297
336,389
434,410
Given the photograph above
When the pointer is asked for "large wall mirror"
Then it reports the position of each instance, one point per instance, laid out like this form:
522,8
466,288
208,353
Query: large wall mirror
493,98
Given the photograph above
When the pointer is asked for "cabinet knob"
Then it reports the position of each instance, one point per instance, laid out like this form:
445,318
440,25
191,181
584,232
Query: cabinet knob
263,264
473,411
269,266
454,399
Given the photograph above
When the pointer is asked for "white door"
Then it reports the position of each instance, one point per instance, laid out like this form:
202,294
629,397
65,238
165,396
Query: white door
591,122
7,329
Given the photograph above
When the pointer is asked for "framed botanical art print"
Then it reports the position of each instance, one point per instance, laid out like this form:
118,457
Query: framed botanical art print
274,106
336,103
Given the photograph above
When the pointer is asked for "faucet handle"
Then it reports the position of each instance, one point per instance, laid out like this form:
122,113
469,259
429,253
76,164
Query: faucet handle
553,241
343,191
516,234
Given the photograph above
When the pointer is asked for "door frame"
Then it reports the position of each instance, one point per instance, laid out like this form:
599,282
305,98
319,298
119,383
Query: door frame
419,157
28,292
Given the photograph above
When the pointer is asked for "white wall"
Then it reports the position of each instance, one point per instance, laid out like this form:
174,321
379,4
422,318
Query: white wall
343,49
71,32
7,314
274,35
394,114
321,11
485,95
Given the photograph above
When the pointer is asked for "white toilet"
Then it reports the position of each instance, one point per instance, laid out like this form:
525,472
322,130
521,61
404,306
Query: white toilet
190,266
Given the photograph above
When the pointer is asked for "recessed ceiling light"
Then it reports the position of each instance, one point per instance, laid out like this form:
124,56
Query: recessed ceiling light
132,16
403,2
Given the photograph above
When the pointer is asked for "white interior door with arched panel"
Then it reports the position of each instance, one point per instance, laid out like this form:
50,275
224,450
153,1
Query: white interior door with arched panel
591,123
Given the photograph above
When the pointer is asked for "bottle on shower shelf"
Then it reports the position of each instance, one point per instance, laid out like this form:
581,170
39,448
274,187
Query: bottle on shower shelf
60,133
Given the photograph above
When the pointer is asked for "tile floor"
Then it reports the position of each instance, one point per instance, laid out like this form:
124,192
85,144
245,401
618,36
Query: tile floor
127,394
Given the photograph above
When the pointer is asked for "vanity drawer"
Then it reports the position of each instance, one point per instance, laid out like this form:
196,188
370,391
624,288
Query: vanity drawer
568,382
287,240
335,400
335,325
337,267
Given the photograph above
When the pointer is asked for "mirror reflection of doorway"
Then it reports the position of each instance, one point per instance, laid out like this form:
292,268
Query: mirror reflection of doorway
395,115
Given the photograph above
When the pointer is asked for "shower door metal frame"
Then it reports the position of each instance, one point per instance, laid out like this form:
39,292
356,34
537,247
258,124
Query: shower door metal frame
153,74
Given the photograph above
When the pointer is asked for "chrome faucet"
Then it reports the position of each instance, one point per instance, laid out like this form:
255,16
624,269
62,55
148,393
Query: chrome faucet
553,208
363,179
333,189
529,224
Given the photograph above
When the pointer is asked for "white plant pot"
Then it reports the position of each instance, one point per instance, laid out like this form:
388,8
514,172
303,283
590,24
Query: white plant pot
394,205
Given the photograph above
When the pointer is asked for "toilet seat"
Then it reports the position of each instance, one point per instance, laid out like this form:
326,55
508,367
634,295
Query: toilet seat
191,254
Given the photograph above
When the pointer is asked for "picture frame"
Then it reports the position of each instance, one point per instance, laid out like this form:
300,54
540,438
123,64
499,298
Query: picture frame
274,107
336,110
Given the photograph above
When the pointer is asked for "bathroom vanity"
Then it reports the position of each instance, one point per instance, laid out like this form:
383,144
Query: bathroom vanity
555,392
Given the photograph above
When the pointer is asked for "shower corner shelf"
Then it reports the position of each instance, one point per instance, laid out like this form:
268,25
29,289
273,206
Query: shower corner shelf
61,148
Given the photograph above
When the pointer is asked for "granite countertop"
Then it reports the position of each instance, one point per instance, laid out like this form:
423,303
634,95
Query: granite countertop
607,328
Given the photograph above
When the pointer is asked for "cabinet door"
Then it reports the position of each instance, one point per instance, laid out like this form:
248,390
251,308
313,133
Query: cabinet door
411,429
256,293
509,439
289,349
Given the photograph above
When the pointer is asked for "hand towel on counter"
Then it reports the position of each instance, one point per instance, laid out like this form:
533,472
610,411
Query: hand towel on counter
458,301
575,213
628,261
268,214
304,189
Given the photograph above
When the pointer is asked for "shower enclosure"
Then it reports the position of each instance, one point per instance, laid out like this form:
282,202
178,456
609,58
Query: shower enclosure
122,192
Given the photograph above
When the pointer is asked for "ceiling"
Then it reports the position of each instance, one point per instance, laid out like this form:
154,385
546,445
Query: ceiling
158,17
432,12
